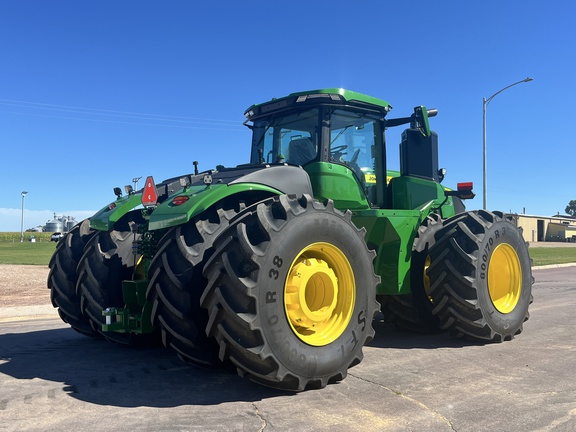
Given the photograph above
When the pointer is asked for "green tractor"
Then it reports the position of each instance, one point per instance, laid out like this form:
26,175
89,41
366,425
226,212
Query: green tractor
277,267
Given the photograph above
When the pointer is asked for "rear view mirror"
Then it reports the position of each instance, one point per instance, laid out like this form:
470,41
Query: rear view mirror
419,119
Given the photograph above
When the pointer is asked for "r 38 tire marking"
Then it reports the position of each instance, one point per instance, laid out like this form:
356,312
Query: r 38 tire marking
273,273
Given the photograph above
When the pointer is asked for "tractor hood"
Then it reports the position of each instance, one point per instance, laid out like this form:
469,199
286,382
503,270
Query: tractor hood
176,204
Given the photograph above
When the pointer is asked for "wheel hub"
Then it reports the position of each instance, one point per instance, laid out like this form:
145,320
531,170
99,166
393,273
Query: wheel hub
319,294
311,292
504,278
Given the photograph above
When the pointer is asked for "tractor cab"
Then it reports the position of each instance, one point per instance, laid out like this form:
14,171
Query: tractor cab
338,137
297,138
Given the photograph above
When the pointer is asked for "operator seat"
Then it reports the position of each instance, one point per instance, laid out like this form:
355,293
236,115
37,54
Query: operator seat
301,151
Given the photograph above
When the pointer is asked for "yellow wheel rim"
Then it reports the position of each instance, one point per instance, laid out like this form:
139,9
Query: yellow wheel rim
504,278
139,269
426,278
319,294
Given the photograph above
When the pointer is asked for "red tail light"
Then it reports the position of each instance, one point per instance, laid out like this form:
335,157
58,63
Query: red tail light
179,200
468,186
465,190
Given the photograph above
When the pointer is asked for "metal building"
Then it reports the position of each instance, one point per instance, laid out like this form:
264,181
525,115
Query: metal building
546,228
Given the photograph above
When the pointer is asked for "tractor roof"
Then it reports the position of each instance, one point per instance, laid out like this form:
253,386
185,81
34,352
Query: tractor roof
331,95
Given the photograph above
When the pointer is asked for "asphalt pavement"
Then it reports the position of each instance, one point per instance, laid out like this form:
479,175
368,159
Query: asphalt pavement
54,379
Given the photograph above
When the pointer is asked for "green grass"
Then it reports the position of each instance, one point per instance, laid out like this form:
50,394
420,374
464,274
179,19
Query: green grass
38,253
546,256
14,237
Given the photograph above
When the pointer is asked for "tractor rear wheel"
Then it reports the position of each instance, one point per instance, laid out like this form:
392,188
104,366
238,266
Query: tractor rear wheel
413,311
481,276
291,293
177,283
63,277
108,259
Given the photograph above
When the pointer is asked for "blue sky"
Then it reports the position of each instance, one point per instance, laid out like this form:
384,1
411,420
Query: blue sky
95,93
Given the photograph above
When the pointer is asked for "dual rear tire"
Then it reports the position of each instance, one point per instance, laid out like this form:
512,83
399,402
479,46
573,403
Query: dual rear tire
63,278
291,293
284,291
107,260
470,275
176,284
481,277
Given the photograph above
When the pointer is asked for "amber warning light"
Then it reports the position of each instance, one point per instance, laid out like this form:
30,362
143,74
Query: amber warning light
150,194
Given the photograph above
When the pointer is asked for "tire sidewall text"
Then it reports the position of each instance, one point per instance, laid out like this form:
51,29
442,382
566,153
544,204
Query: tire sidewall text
285,245
503,232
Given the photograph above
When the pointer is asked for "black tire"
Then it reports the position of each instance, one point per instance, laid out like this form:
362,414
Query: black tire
281,274
108,259
62,278
481,276
413,311
177,283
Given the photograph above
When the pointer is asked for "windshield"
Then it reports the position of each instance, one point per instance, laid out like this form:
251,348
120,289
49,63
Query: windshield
292,138
352,136
295,138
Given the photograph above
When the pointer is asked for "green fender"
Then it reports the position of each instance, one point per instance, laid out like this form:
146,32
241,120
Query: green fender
200,198
105,219
167,214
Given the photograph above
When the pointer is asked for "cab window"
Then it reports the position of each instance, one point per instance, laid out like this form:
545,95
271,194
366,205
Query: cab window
291,139
352,140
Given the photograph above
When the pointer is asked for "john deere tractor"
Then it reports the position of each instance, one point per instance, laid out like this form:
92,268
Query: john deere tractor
278,266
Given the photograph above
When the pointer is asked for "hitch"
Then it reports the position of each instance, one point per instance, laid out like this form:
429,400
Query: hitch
135,316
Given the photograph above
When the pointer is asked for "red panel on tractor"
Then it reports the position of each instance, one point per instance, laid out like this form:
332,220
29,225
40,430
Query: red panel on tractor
150,195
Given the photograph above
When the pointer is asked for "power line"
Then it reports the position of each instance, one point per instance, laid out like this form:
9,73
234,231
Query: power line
111,113
207,127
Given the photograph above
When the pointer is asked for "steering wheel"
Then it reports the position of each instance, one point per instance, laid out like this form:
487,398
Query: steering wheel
337,152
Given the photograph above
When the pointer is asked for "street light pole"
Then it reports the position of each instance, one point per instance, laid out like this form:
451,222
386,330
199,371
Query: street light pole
22,220
485,103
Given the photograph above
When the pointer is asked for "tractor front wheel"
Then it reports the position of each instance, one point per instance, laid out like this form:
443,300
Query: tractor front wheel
291,293
177,283
108,259
63,277
481,277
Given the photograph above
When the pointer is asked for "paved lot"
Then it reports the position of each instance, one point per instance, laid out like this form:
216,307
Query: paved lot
53,379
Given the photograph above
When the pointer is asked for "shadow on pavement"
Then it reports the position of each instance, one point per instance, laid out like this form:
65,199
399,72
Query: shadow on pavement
103,373
387,336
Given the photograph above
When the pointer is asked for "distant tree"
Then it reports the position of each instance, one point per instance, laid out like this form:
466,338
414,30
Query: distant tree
571,208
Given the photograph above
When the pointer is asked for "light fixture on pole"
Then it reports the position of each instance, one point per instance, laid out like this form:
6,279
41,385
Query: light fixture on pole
484,105
135,180
22,219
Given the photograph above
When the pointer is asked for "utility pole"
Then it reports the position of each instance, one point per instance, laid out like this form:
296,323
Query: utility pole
24,193
485,103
